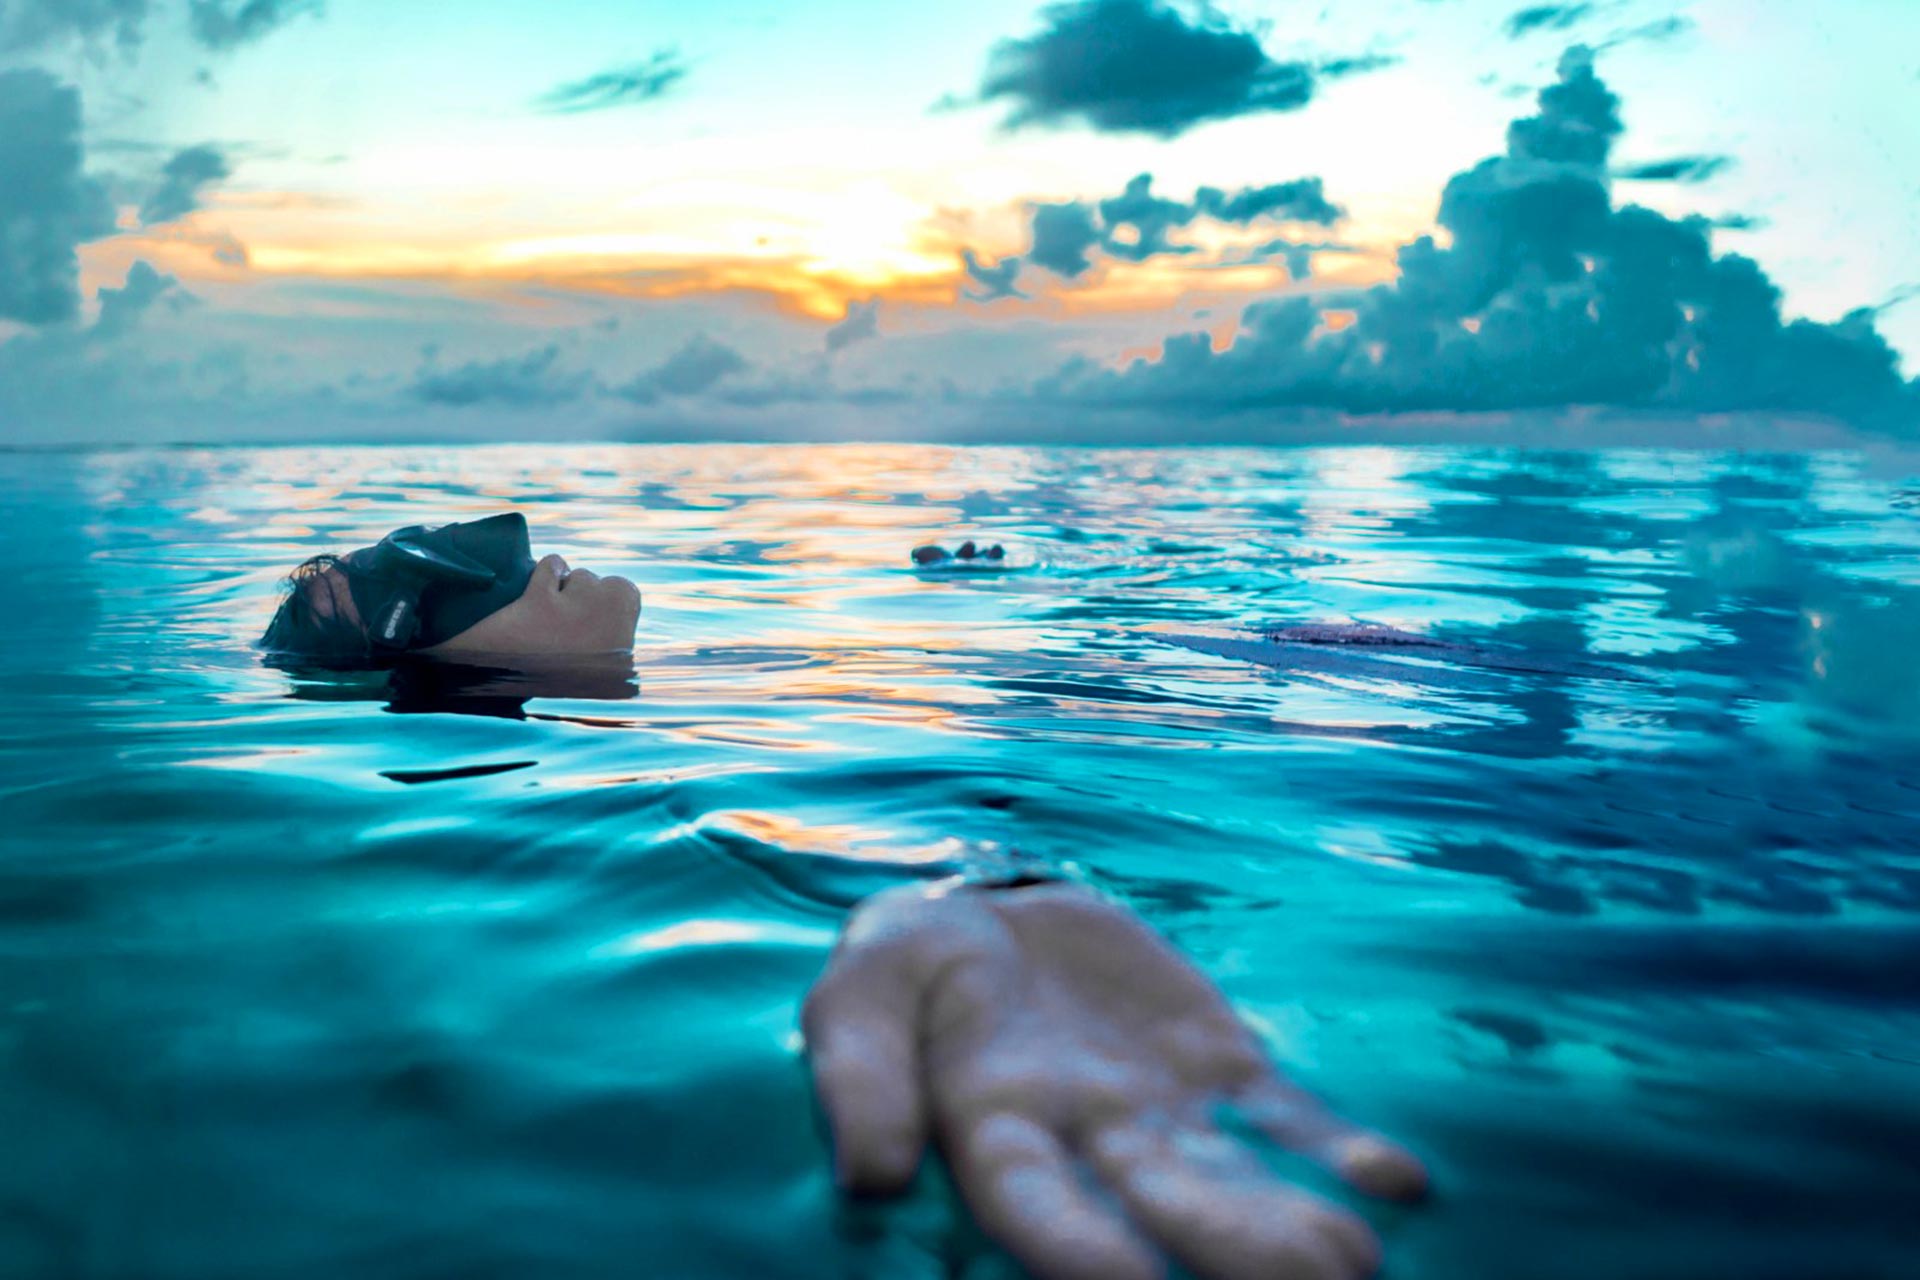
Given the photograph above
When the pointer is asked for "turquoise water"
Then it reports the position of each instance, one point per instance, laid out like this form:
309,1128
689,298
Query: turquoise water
305,978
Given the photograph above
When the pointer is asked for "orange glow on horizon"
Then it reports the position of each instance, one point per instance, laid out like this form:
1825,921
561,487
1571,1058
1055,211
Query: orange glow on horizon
816,268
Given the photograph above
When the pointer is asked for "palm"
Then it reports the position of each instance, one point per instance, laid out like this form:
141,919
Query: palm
1068,1064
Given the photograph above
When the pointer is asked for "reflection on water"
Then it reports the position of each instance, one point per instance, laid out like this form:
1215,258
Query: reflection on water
1620,923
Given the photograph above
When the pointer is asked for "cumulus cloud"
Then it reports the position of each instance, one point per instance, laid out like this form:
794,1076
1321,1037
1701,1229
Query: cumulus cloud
48,206
996,282
533,380
695,368
221,25
1137,224
861,322
1676,169
26,25
121,309
182,180
1063,235
1139,66
1546,293
621,87
1545,17
1148,220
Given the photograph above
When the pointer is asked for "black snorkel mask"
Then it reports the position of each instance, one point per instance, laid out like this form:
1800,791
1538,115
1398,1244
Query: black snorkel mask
421,587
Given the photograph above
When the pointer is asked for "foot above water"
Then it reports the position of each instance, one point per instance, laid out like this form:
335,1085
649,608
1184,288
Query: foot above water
966,556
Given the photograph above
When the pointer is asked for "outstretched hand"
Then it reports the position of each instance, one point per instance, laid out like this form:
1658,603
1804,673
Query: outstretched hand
1069,1065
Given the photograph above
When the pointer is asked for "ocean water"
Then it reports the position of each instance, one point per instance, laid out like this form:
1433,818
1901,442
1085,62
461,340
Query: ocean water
308,977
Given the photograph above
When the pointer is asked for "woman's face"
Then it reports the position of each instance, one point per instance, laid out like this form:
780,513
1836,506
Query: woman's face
562,611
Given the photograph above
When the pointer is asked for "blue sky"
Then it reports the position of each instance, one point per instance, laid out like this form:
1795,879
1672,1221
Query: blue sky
246,219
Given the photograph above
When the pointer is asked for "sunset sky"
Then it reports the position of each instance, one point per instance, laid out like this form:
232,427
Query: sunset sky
372,219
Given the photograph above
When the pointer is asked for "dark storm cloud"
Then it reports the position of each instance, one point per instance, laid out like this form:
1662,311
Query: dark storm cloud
1137,224
48,206
32,24
121,309
1545,294
221,25
696,367
621,87
1545,17
181,182
529,381
1138,66
861,322
1677,169
996,282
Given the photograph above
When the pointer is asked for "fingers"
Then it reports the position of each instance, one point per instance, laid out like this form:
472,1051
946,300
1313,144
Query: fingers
861,1028
1226,1222
1026,1193
1363,1159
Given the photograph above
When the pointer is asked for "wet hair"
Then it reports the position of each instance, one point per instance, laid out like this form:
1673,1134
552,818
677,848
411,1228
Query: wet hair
317,618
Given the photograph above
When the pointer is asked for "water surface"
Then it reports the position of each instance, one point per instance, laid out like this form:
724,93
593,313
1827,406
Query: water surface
313,978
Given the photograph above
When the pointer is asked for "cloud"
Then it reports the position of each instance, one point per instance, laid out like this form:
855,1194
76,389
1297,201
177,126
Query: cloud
1136,224
216,25
1546,294
696,367
1302,200
528,381
996,282
182,180
1657,32
26,25
1677,169
121,309
1297,254
621,87
222,25
1138,66
861,322
1579,119
1063,234
1149,219
1357,64
1545,17
48,206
